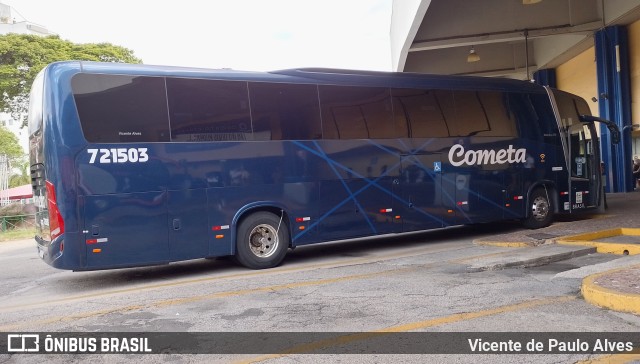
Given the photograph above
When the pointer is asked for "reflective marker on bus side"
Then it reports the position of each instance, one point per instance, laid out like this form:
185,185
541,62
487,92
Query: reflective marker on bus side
95,241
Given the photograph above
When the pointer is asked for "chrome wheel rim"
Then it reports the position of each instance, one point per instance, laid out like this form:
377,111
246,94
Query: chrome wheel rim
540,208
263,241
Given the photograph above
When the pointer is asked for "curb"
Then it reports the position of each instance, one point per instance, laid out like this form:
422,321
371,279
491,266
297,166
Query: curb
525,258
505,244
608,298
588,239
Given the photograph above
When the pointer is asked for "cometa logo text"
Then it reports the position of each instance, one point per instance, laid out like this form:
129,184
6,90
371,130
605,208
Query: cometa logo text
458,156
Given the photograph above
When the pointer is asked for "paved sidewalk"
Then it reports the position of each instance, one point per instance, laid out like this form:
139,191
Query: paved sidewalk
617,289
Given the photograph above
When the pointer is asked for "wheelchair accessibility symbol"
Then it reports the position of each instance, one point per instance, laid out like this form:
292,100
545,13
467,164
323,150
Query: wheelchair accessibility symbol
437,167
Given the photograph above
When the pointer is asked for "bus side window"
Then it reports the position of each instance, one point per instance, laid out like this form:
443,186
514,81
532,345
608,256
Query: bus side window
350,112
469,117
528,116
282,111
545,118
121,109
498,114
208,110
417,114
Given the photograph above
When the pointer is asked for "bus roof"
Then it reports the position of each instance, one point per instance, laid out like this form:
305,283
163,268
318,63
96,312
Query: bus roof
312,76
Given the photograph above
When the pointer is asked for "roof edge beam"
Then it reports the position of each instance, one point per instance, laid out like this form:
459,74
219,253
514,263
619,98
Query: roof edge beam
501,37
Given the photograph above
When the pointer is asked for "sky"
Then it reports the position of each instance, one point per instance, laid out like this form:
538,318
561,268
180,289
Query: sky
252,35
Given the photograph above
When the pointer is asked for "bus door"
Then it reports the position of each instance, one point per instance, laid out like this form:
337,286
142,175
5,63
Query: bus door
456,194
584,165
421,191
189,230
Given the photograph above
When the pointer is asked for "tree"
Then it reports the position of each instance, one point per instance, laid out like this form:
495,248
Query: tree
22,56
22,178
9,145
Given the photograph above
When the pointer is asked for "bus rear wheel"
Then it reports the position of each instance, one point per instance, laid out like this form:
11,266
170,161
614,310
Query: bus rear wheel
540,212
262,240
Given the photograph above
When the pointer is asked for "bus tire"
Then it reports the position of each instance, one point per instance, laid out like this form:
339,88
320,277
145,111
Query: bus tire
262,240
540,210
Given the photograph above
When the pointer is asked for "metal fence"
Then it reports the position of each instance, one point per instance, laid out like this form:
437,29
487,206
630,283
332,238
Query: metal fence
5,171
17,222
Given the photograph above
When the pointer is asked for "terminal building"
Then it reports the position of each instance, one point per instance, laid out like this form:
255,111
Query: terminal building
587,47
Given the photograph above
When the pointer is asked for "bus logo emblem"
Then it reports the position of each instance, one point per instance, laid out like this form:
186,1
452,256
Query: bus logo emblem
458,156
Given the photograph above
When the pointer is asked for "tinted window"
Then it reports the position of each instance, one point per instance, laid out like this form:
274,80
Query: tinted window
356,112
467,116
482,113
208,110
118,108
444,113
35,103
285,111
567,108
500,119
418,113
570,107
526,116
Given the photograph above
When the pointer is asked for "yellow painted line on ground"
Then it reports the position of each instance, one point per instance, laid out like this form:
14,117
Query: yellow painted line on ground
612,359
506,244
251,274
345,339
609,233
631,231
589,239
185,300
606,248
607,298
594,235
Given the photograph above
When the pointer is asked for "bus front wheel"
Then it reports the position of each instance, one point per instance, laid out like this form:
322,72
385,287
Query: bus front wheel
262,240
540,211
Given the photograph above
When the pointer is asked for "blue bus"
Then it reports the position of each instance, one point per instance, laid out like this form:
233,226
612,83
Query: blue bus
138,165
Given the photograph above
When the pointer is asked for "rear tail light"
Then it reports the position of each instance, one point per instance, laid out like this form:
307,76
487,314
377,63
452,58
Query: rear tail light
56,223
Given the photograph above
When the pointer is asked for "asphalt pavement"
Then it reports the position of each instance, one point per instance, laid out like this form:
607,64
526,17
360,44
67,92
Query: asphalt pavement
615,284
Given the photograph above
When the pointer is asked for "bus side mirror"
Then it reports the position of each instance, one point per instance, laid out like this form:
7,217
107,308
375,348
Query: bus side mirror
615,134
613,128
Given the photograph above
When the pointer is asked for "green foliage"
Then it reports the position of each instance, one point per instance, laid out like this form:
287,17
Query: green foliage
10,146
18,234
22,178
17,222
22,56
